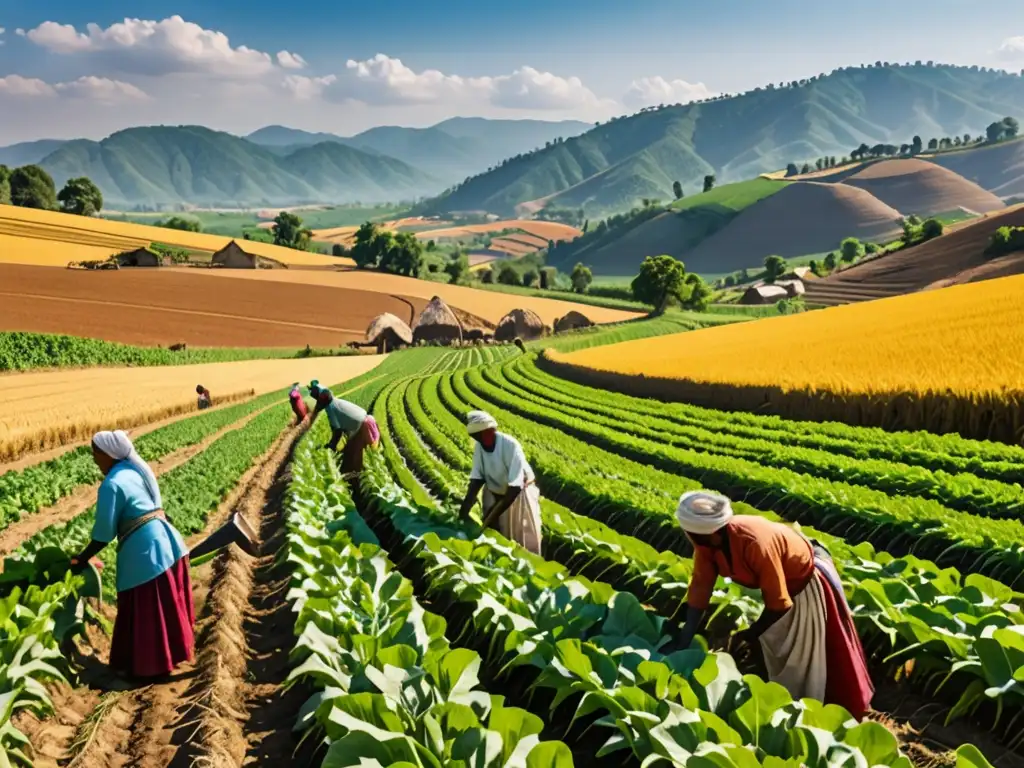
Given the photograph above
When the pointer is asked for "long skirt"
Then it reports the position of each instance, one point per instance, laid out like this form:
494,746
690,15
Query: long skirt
154,629
520,522
814,652
367,436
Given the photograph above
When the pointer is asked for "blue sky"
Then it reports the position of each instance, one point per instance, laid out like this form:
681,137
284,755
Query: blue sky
338,68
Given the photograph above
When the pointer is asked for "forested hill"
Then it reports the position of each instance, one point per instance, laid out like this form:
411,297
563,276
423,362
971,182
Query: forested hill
738,137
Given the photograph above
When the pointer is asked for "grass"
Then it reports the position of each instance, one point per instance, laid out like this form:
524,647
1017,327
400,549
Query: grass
732,197
579,298
671,322
22,351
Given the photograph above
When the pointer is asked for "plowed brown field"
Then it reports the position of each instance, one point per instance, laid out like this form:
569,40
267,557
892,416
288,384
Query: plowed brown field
167,306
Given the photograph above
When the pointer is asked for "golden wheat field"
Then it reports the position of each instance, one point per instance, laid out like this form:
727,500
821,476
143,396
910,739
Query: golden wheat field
50,408
49,238
967,339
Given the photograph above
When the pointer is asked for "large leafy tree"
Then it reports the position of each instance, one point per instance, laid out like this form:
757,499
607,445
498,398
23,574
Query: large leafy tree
403,255
581,278
32,187
369,245
81,196
700,293
774,268
661,278
289,232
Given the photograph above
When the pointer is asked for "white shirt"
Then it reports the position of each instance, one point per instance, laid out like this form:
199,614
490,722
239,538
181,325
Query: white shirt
504,466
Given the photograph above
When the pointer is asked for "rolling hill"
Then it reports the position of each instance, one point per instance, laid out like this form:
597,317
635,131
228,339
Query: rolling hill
998,168
28,152
448,151
165,166
616,164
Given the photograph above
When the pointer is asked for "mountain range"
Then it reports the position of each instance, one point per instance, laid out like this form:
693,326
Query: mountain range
617,164
165,166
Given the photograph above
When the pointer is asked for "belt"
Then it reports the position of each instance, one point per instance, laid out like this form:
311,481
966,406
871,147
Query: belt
123,532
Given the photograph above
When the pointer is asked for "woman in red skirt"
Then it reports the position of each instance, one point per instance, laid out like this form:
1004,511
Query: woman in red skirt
155,617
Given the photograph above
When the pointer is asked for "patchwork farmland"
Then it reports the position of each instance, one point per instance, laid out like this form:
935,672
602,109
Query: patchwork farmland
373,609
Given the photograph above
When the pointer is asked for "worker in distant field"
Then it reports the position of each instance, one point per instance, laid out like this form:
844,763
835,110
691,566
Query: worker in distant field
348,419
806,630
298,404
154,629
511,497
205,401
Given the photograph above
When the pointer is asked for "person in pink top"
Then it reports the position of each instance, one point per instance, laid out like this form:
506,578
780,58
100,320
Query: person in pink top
298,404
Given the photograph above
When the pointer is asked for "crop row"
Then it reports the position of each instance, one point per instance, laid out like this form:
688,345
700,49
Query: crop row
388,685
949,452
901,523
595,658
906,607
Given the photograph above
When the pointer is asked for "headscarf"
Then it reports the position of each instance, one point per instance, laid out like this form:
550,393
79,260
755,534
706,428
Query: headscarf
118,446
314,387
324,395
479,421
703,512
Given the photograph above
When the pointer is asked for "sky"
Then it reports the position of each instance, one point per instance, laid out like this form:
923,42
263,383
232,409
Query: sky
72,69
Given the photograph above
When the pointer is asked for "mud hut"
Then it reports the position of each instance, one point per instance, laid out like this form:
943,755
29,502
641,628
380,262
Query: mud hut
387,332
572,321
437,323
232,256
140,257
523,324
764,294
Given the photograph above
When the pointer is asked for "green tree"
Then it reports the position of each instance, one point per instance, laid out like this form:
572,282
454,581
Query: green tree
916,146
792,170
933,144
32,187
932,228
180,223
1010,127
700,293
289,232
337,250
403,255
457,268
530,277
815,267
774,268
581,278
831,262
661,278
507,275
709,182
369,245
806,168
5,185
677,190
851,249
994,132
80,196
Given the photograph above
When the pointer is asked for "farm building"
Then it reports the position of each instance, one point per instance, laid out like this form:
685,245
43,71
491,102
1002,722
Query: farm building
572,321
388,333
793,287
764,294
140,257
232,256
800,273
523,324
437,323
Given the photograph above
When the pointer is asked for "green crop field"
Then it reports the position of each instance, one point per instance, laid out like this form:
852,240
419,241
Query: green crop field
377,628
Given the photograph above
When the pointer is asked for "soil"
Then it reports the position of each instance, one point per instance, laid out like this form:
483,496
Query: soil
189,715
157,306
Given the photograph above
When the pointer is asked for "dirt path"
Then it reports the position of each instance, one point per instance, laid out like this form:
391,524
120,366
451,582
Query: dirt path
166,723
76,503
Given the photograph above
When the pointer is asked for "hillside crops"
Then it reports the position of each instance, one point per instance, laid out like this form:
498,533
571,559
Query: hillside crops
928,360
415,638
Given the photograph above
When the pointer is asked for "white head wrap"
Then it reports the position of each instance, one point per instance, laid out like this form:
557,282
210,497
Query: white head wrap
118,446
703,512
478,421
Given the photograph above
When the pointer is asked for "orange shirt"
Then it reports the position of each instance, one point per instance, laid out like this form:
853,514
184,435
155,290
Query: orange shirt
764,555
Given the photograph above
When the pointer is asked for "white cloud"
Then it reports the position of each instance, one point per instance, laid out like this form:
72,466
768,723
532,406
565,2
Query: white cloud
155,47
305,88
387,81
290,60
650,91
16,85
1012,48
2,30
102,90
99,90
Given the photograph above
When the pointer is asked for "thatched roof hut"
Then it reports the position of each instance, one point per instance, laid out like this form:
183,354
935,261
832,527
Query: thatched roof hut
523,324
572,321
139,257
388,332
233,256
437,323
764,294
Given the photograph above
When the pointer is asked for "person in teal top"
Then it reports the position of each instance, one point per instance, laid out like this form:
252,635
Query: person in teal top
155,626
347,420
